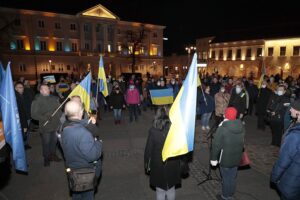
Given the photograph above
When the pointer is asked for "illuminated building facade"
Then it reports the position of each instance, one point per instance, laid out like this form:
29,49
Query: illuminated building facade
246,57
38,42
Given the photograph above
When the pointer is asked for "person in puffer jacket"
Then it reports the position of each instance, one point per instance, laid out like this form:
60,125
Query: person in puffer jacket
286,170
133,101
227,149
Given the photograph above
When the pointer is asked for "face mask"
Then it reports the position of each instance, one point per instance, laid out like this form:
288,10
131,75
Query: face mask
131,87
173,82
238,90
158,84
223,90
280,93
263,86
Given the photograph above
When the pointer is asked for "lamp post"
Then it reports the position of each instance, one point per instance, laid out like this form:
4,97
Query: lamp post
189,50
50,61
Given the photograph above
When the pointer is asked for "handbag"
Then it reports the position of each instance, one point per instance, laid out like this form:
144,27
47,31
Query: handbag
82,179
245,159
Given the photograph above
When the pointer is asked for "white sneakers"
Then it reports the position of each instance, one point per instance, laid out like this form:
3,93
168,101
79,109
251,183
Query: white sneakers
205,128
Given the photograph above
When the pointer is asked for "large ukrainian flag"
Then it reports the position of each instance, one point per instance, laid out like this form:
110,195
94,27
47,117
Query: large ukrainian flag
180,139
102,78
83,90
162,96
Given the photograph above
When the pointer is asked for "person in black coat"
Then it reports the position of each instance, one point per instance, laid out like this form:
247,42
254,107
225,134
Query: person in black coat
253,92
164,176
24,116
117,102
238,100
277,106
263,98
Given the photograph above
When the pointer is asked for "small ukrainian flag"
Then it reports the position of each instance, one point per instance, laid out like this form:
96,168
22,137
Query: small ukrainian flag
162,96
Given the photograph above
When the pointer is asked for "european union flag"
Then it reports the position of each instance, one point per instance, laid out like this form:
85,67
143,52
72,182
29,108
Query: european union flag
11,121
180,138
162,96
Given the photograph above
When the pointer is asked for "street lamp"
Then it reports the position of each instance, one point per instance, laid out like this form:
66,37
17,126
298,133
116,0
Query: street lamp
50,61
189,50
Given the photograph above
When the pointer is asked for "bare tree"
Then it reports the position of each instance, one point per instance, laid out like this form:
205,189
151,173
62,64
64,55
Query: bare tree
134,39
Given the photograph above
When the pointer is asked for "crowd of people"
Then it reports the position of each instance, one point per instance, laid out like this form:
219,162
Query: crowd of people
222,101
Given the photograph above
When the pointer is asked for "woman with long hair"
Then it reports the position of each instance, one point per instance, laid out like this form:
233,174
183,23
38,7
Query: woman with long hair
164,176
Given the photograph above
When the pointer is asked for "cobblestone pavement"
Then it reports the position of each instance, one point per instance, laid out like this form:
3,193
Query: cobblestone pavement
123,174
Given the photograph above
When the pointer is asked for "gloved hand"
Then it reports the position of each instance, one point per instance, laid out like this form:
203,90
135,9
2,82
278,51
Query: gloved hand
214,162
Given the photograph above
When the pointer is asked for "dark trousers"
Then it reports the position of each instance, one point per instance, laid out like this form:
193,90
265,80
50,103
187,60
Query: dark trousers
133,111
87,195
49,140
229,176
261,121
277,130
250,108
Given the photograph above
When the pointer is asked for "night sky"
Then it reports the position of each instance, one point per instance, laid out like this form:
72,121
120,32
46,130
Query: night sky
187,20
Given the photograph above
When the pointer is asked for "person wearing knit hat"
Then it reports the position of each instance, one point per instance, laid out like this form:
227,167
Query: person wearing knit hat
286,170
230,113
227,149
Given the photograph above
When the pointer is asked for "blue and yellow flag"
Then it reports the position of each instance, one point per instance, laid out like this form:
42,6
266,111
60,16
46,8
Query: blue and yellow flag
263,73
11,121
102,78
180,139
162,96
83,90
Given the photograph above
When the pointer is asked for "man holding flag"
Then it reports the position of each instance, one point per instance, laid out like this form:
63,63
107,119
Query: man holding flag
43,108
11,121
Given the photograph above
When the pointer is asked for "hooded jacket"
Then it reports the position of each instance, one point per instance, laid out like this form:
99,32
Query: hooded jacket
286,171
228,139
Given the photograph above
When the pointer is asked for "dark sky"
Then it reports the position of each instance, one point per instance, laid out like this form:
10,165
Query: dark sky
186,20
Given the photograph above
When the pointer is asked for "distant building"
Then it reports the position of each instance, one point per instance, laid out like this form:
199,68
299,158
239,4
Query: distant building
176,66
38,42
245,57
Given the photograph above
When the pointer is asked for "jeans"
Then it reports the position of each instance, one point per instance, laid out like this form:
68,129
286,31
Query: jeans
162,194
229,176
117,114
87,195
49,140
133,111
205,119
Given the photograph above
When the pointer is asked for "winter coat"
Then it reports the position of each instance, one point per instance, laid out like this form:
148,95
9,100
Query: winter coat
133,96
263,98
277,104
214,88
286,170
239,101
42,108
229,138
206,108
117,100
22,111
175,89
252,91
221,102
79,146
162,174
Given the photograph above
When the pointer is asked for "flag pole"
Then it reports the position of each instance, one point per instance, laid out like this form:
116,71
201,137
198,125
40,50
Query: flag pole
55,111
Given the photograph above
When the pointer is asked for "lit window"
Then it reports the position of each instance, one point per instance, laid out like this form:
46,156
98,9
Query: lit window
154,51
258,52
142,50
109,48
119,48
130,49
